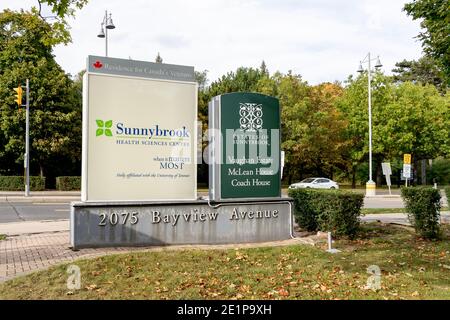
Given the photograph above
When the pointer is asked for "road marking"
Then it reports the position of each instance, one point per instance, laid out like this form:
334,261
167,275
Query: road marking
62,210
50,203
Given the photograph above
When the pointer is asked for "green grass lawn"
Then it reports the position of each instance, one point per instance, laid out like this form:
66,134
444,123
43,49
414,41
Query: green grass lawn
411,268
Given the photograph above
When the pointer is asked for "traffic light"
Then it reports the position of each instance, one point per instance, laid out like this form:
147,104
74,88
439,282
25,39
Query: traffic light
19,92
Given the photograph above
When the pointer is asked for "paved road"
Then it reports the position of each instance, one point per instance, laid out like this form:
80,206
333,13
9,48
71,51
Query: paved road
38,211
383,202
33,211
41,209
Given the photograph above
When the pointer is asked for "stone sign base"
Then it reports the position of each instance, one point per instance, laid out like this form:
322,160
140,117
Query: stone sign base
113,224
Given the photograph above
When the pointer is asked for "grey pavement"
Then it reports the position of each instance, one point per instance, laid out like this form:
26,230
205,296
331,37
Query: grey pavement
399,218
34,227
40,196
33,211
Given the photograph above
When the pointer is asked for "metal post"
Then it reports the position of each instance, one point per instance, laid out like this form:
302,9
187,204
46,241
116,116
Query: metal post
106,32
329,241
27,141
370,121
370,185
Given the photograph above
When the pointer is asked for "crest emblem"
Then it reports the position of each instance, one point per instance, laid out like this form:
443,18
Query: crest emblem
251,116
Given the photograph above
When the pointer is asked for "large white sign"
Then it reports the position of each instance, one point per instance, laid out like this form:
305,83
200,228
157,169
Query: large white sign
139,131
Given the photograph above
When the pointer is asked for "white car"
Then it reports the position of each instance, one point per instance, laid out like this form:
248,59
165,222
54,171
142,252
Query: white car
316,183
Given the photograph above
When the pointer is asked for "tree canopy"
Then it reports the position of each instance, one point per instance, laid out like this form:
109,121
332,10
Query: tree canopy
435,37
55,109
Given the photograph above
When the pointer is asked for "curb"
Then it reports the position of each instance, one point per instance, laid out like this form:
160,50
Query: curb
31,199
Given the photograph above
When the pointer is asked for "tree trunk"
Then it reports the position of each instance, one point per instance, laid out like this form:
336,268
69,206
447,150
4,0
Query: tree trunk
423,167
41,170
378,173
353,177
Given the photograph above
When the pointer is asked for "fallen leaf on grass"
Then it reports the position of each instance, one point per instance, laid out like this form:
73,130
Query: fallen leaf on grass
91,287
283,292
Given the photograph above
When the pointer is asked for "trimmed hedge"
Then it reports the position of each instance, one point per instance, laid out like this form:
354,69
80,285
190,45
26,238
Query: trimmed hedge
423,205
17,183
447,193
328,210
68,183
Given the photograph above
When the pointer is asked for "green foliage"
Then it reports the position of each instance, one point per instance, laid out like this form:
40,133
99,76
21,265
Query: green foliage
62,9
55,104
440,171
335,211
17,183
68,183
425,70
435,20
423,206
406,118
304,211
447,194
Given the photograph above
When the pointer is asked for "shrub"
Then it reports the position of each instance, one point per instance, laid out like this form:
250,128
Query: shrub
17,183
440,170
327,210
423,205
447,193
68,183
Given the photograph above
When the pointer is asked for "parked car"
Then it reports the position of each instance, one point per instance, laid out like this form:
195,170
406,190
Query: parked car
316,183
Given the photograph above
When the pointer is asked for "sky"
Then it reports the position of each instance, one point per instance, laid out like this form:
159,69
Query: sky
322,40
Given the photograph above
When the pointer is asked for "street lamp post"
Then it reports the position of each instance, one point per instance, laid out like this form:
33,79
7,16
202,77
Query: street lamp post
370,185
108,23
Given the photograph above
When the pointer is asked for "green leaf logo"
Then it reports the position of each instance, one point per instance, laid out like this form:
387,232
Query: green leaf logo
104,127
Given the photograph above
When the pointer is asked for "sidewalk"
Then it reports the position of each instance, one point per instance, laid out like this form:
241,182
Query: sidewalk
33,227
40,196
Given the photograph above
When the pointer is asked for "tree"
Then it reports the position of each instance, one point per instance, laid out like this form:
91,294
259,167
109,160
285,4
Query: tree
202,79
62,8
312,127
354,107
244,79
158,59
425,71
55,109
419,122
406,118
435,15
264,69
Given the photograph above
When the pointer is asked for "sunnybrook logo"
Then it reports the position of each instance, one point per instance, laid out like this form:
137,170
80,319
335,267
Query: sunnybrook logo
104,127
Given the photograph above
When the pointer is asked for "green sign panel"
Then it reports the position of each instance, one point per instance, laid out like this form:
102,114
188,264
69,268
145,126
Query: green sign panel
245,155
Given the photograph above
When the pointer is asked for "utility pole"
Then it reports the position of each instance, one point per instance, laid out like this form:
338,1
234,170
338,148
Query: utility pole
27,141
26,158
